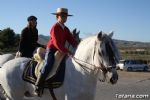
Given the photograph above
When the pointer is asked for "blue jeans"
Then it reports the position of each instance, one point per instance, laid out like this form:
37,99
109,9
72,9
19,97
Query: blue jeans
49,61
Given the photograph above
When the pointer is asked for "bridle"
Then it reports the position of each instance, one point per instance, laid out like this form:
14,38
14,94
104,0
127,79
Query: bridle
96,68
79,61
101,67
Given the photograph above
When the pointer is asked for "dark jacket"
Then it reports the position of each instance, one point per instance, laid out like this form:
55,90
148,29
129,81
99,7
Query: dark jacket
28,42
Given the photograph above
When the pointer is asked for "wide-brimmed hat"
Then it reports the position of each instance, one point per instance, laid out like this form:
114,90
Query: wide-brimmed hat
61,10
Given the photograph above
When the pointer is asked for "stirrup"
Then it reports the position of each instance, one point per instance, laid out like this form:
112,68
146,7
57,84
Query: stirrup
39,91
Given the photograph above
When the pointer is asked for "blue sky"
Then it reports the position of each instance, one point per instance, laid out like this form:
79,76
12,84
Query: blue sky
129,19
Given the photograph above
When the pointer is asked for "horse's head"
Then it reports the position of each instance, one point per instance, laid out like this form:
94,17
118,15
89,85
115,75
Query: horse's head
98,53
107,56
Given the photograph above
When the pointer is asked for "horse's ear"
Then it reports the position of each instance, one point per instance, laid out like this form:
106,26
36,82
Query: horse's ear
74,31
111,34
99,36
78,32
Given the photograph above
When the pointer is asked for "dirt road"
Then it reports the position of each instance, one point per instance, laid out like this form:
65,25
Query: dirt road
130,86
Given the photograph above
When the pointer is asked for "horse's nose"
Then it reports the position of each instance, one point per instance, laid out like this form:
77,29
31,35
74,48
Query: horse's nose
114,79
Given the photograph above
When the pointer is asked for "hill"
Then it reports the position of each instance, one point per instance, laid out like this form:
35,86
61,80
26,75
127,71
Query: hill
120,43
133,44
43,39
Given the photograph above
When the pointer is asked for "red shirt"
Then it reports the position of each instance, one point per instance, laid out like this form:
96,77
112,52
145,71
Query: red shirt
58,37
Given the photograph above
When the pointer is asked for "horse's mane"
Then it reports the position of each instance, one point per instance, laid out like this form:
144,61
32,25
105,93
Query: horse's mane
84,44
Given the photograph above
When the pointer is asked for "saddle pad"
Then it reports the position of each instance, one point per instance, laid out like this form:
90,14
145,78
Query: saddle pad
54,82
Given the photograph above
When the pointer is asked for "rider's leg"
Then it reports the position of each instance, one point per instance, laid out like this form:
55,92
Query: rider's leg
49,61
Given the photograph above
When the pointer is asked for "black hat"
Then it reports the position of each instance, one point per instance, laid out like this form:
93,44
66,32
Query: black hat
30,18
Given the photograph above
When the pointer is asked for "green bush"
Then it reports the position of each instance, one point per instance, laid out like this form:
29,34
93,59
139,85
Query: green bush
8,40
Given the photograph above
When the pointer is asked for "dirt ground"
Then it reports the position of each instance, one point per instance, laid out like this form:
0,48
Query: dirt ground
129,83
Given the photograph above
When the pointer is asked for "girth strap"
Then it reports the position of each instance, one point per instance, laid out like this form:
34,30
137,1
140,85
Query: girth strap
52,94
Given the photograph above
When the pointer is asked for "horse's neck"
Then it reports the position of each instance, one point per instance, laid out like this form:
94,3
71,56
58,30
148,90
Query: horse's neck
78,81
80,78
83,64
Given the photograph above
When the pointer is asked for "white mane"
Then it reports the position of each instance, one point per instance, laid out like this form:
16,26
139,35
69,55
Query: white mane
84,49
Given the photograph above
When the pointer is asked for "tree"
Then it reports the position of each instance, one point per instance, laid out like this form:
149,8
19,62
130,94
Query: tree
7,38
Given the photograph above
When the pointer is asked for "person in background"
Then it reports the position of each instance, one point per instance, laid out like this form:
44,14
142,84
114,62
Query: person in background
60,40
29,37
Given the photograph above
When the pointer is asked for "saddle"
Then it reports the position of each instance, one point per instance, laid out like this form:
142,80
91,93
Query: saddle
56,76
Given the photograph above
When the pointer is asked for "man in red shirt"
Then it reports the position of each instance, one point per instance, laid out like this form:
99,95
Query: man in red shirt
60,36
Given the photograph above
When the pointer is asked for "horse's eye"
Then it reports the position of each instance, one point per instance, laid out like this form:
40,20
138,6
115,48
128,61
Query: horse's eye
99,53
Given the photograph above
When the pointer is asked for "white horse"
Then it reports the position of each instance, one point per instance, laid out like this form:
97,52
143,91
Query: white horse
93,55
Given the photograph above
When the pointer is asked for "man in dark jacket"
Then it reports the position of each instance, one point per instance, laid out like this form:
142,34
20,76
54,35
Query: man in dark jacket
29,38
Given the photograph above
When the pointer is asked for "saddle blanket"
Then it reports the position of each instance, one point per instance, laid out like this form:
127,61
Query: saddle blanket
54,82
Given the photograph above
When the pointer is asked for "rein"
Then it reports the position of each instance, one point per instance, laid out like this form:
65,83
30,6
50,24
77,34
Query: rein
103,68
95,67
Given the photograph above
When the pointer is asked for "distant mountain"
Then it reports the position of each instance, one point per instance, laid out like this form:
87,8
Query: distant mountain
120,43
43,39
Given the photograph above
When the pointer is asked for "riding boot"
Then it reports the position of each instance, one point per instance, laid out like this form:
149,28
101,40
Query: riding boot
39,89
